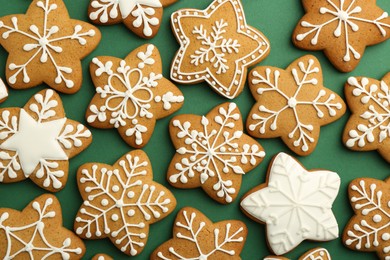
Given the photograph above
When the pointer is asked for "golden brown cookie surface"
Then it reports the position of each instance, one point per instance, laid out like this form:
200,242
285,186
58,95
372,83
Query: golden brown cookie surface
313,254
102,257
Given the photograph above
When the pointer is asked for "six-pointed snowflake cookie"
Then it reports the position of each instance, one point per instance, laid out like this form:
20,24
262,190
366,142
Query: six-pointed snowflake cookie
131,94
45,46
369,126
292,104
37,232
143,17
216,46
342,29
313,254
121,201
295,204
212,152
37,141
369,229
196,237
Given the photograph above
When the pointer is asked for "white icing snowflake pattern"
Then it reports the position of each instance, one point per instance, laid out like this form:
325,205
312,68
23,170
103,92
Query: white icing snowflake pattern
114,194
296,204
213,153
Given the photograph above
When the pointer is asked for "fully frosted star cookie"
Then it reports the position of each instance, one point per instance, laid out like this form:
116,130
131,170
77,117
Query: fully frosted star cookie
314,254
369,126
292,104
131,94
212,152
294,203
342,29
216,46
196,237
3,91
37,232
45,46
37,141
121,201
369,229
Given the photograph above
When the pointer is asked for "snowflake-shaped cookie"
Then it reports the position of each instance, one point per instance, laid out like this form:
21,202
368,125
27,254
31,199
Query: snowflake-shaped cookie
143,17
132,94
292,104
45,46
212,152
37,232
369,229
216,46
314,254
121,201
369,126
342,29
196,237
37,141
295,204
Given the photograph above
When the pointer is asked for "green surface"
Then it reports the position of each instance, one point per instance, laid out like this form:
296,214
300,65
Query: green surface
276,19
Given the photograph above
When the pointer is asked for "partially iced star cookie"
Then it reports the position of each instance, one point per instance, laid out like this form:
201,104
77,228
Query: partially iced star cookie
342,29
37,232
292,104
121,201
131,94
37,141
45,46
216,46
294,203
196,237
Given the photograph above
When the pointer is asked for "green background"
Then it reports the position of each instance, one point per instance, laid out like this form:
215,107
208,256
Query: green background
276,19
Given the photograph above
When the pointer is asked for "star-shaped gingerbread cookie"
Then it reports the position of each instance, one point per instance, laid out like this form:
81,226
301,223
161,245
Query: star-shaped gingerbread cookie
292,104
313,254
131,94
217,46
342,29
45,46
37,141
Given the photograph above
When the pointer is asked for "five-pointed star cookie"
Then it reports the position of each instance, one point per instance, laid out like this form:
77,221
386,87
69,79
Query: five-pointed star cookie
369,126
121,201
45,46
369,229
313,254
212,152
292,104
342,29
131,94
143,17
216,46
37,232
294,203
37,141
196,237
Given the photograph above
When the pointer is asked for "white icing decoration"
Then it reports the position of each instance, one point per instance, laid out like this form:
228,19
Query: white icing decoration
36,240
214,151
270,83
296,205
347,18
318,254
190,232
142,10
151,202
3,90
44,44
215,48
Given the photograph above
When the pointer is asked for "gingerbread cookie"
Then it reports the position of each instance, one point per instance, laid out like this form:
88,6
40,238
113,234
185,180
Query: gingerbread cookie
37,232
37,141
212,152
342,29
143,17
314,254
294,203
196,237
3,91
131,94
121,201
217,46
369,229
102,257
369,126
45,46
292,104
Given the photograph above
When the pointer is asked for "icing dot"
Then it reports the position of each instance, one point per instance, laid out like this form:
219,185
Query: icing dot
130,194
377,218
130,213
386,236
104,202
115,188
114,217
